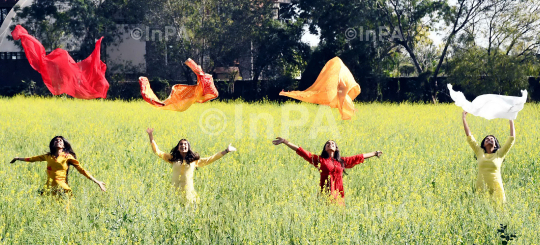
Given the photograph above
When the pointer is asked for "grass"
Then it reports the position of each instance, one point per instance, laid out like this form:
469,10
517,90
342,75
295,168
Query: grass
420,191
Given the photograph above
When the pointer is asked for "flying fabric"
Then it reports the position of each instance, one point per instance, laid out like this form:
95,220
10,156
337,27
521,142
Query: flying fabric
490,106
335,87
60,73
182,96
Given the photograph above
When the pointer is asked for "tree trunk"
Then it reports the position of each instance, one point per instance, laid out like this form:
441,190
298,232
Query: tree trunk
413,58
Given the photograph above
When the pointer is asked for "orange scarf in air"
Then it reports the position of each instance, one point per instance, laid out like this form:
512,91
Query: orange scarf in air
182,96
335,86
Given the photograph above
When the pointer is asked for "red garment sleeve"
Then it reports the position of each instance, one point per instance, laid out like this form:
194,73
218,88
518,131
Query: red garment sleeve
308,156
353,160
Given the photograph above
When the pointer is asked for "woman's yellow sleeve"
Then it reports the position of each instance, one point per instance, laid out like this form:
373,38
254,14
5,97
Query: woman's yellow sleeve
506,147
39,158
207,160
79,168
163,155
474,145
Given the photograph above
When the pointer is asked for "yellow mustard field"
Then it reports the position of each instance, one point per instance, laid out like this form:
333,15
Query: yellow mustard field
421,191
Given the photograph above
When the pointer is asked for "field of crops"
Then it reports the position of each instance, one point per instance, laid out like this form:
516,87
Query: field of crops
421,191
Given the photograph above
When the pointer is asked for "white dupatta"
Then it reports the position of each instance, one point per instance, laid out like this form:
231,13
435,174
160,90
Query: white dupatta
490,106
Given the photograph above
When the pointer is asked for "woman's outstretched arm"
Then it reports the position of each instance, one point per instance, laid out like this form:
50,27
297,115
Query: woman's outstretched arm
280,140
99,183
75,163
372,154
465,124
308,156
39,158
207,160
16,159
355,160
229,148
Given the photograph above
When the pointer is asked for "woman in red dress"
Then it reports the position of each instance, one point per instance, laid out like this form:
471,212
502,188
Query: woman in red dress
331,166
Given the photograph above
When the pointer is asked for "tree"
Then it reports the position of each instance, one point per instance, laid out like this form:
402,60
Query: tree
456,18
342,26
75,25
411,20
481,73
498,50
278,46
227,33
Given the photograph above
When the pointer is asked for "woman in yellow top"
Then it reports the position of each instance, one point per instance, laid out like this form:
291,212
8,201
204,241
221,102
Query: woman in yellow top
59,158
184,161
490,156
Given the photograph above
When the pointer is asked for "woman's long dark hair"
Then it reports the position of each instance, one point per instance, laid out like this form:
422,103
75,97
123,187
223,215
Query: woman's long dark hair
53,152
495,149
190,155
337,156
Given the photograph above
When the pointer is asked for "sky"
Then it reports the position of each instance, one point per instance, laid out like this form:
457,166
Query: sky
313,40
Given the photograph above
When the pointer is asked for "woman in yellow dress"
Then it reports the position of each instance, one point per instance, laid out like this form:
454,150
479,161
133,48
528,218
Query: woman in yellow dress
490,156
184,161
60,157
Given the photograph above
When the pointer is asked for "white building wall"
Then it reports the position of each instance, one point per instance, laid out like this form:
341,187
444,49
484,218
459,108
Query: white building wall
129,54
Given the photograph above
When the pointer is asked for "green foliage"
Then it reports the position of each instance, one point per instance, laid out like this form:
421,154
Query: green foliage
413,19
223,34
480,73
331,20
279,50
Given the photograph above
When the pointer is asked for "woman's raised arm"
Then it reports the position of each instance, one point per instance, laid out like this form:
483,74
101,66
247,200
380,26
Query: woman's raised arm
155,148
150,132
512,128
465,124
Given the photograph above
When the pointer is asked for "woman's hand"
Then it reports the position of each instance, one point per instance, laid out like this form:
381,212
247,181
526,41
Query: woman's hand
230,148
278,141
150,132
372,154
101,185
464,114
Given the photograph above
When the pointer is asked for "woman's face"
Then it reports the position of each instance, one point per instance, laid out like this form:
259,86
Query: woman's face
330,146
183,147
489,141
58,143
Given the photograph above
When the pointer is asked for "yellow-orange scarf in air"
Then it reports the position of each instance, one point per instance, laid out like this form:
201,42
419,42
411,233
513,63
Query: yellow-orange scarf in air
182,96
334,87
